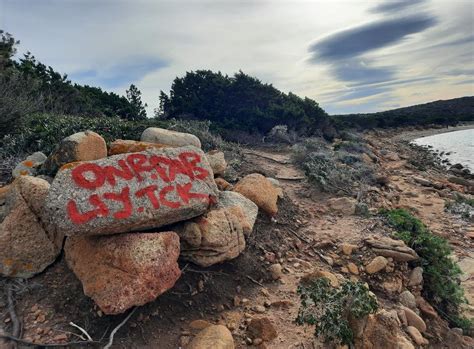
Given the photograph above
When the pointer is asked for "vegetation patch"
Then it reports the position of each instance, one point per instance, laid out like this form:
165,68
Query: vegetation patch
462,206
441,274
331,309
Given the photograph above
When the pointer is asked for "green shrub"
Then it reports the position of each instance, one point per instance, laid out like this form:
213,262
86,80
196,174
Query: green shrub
441,274
330,309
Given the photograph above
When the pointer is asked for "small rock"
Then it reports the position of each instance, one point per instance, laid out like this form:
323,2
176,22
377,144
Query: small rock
377,264
416,335
276,271
317,273
347,249
343,205
408,299
121,146
416,277
261,191
352,267
257,341
213,337
217,161
414,319
29,166
262,328
222,184
260,309
426,307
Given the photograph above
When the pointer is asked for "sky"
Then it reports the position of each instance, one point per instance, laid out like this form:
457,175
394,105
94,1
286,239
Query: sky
350,56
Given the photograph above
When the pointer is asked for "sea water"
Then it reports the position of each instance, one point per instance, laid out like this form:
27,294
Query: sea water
458,146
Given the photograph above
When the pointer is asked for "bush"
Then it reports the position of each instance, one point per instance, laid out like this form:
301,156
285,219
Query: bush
441,273
331,309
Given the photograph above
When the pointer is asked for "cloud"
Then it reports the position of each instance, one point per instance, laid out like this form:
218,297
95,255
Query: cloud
365,38
360,71
123,74
395,6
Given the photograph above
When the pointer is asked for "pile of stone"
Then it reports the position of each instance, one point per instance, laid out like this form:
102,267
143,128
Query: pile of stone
125,213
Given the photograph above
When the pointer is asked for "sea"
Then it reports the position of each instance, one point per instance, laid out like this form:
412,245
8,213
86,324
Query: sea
456,146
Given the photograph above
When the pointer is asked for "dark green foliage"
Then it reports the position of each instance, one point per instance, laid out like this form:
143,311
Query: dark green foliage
449,112
7,49
330,309
134,96
441,274
239,102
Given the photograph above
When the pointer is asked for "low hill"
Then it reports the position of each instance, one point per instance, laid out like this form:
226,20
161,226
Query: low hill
443,112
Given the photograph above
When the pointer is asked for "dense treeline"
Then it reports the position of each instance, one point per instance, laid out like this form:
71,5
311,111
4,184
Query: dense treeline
28,86
239,102
449,112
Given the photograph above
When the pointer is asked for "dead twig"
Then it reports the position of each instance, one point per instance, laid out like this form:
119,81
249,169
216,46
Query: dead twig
255,281
114,331
299,236
82,330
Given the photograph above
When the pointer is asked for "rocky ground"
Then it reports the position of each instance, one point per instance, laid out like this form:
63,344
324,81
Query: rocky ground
254,295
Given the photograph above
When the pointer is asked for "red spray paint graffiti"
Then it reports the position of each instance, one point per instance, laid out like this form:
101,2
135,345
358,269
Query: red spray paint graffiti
137,166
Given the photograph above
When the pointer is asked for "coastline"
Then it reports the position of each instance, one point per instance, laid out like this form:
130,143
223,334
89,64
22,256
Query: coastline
411,135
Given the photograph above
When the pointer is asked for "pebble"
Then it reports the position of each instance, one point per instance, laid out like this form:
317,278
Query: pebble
276,271
259,309
377,264
347,249
352,267
414,319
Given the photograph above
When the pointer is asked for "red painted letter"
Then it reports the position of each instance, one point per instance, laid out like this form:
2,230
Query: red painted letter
125,199
78,176
150,193
165,201
79,218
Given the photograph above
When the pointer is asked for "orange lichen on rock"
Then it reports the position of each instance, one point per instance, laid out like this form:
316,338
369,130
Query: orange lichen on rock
121,146
70,165
28,163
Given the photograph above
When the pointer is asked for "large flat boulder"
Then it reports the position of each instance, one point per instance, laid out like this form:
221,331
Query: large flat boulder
81,146
125,270
26,247
218,235
168,137
130,192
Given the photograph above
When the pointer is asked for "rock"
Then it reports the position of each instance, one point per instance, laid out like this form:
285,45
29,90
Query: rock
416,335
199,324
414,319
353,269
408,299
222,184
217,161
377,264
29,166
426,308
129,192
422,181
81,146
317,273
122,271
343,205
361,209
213,337
170,138
348,248
416,277
219,234
396,249
393,284
260,309
391,156
26,247
122,146
461,181
382,330
262,328
276,271
261,191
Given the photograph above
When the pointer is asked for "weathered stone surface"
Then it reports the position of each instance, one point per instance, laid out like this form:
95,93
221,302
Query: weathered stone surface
125,270
426,308
416,335
218,235
348,248
261,191
168,137
318,273
275,271
130,192
343,205
81,146
395,249
414,319
353,269
377,264
408,299
26,248
382,330
217,161
213,337
222,184
29,166
122,146
262,328
416,277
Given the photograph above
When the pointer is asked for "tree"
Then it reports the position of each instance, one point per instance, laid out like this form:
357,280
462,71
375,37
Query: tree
7,49
135,100
161,111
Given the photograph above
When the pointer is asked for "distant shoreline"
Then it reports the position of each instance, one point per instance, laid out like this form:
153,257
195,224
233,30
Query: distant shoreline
411,135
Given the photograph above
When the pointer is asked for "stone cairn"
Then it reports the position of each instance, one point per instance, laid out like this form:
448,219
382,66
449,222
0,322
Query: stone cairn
125,213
